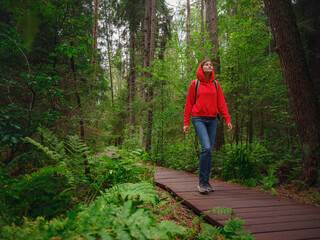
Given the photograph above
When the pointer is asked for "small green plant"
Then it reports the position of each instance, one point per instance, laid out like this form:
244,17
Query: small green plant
231,230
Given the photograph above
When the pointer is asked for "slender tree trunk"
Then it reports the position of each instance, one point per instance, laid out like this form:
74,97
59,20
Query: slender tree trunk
150,88
110,58
201,13
94,37
188,36
212,29
120,65
132,79
303,98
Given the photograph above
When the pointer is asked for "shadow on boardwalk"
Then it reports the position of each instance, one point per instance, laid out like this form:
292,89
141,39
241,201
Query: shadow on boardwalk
266,216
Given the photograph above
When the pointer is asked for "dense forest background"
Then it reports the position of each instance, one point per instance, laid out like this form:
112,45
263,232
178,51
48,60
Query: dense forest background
80,75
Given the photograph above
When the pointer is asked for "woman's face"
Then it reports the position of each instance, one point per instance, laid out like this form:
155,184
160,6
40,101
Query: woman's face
207,67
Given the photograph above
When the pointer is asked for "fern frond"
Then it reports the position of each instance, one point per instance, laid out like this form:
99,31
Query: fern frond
222,211
76,147
51,140
51,154
139,192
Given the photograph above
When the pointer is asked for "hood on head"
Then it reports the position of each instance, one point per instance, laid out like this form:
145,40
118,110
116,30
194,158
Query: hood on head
201,76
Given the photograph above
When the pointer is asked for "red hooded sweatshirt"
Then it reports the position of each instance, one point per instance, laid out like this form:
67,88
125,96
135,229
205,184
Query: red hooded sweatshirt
206,103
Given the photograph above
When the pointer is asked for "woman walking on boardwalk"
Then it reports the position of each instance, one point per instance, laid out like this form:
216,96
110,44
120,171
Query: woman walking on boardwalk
204,101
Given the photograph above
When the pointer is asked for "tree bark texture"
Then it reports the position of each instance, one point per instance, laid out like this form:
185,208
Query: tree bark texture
303,99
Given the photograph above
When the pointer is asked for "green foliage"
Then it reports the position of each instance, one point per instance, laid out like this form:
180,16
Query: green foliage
109,217
46,192
231,230
246,163
65,180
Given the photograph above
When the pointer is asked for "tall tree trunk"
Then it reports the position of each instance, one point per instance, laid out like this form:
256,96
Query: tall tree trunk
94,37
212,29
77,95
132,79
110,58
188,36
150,88
303,99
201,13
120,65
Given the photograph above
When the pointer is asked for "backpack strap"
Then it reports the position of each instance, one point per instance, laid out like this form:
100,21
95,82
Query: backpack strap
196,90
215,84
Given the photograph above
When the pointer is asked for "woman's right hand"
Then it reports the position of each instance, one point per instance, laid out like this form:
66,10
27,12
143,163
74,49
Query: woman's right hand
185,129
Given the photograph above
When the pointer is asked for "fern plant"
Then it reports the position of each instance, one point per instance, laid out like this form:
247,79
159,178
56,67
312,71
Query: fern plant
108,217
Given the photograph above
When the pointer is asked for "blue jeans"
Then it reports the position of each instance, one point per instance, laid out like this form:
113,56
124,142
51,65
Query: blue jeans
205,128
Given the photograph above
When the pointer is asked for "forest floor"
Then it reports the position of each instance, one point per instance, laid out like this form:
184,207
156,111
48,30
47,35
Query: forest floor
300,194
178,213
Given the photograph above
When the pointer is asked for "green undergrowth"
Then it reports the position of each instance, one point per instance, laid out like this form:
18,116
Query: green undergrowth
119,213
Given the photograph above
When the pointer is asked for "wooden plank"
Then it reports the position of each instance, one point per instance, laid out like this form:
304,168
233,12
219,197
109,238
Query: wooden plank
280,219
241,196
262,214
207,204
275,227
290,235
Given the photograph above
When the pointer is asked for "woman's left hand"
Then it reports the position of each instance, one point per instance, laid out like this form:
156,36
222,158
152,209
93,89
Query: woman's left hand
229,126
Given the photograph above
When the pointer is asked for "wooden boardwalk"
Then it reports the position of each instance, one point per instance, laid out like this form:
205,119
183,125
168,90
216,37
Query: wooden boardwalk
266,216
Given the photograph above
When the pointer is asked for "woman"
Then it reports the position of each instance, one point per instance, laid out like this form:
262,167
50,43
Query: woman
204,107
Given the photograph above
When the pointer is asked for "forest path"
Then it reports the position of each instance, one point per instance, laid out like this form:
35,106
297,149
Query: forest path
266,216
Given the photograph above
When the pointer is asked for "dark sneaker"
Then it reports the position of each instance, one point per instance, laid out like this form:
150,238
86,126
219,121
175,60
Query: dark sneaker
209,187
203,187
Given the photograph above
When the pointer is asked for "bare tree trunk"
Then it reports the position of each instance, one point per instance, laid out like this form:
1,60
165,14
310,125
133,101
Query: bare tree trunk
303,98
110,58
120,67
201,13
188,36
132,78
94,37
150,88
212,29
